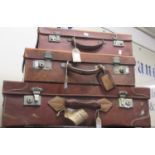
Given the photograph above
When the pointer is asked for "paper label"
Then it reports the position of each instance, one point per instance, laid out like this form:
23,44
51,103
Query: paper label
76,55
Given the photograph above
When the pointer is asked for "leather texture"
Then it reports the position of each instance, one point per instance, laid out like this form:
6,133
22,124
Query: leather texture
78,73
92,42
15,114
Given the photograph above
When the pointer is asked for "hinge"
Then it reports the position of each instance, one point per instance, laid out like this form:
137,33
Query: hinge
35,99
125,102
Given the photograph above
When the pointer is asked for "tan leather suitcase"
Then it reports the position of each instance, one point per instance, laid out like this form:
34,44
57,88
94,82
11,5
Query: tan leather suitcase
85,41
44,105
57,66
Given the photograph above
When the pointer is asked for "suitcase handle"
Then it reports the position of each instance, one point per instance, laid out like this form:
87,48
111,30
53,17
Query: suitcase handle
102,104
103,76
60,104
76,104
97,69
86,45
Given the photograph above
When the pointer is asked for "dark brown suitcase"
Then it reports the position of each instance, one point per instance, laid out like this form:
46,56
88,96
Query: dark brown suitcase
50,66
29,105
85,41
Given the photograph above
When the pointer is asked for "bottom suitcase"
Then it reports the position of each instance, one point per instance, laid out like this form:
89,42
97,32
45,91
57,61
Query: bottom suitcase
49,105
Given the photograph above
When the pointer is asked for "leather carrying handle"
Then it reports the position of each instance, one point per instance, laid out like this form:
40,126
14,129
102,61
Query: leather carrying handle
86,45
76,70
76,104
102,104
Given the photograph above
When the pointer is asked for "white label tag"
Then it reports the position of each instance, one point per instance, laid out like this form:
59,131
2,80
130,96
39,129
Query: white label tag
98,122
76,55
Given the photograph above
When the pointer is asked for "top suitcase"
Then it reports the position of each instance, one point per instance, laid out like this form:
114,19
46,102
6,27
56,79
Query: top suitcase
85,41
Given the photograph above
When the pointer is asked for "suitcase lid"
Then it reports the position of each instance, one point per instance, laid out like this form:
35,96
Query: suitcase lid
53,89
61,55
84,34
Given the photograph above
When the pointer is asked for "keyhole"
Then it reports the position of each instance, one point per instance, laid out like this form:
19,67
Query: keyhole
127,103
29,101
41,65
121,70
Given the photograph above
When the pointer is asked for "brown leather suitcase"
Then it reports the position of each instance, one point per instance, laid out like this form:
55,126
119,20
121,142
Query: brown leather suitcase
44,105
85,41
57,66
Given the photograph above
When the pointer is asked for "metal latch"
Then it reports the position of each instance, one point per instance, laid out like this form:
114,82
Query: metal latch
119,69
116,60
54,38
125,102
118,43
35,99
44,64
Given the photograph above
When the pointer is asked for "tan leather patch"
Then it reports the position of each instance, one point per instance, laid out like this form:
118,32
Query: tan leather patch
57,103
106,105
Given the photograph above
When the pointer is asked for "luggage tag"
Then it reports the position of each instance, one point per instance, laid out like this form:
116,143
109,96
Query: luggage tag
66,76
76,53
98,120
106,80
106,106
76,116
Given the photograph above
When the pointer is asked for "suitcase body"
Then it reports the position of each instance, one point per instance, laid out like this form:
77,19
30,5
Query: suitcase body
25,106
85,41
54,65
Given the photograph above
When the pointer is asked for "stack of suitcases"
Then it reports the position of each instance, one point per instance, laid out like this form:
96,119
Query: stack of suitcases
77,79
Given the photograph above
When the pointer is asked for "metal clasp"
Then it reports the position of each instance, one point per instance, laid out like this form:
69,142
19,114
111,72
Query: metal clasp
119,69
125,102
44,64
118,43
35,99
54,38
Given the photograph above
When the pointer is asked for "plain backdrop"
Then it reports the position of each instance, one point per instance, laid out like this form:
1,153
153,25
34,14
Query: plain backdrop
12,44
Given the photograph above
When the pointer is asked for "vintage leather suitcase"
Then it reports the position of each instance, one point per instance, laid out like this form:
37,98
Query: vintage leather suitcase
44,105
85,41
57,66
